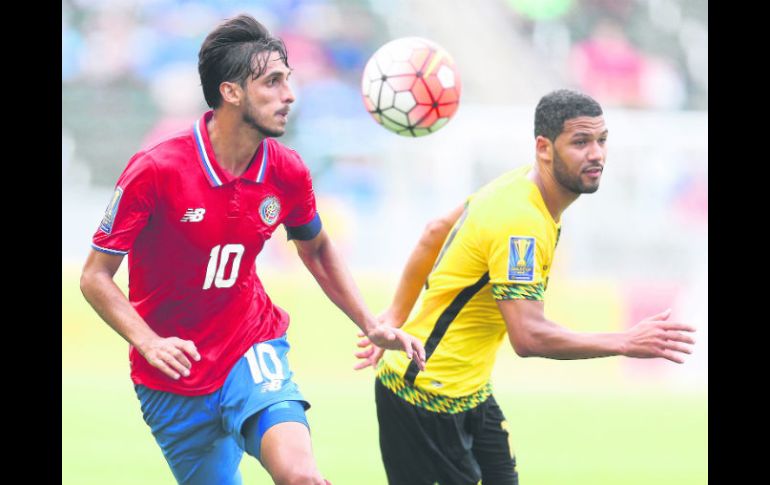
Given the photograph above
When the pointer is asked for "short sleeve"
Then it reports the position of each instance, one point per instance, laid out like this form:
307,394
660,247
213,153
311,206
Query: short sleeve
515,260
303,221
130,207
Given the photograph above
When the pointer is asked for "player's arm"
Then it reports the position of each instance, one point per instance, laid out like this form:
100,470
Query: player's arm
327,267
533,335
418,267
416,271
170,355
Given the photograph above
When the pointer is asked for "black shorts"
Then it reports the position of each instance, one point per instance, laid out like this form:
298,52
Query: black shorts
421,447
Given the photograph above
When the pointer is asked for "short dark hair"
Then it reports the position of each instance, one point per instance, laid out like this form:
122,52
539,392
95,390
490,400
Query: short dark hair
559,106
229,54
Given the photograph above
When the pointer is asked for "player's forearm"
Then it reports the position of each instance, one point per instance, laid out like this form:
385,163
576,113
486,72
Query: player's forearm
555,342
329,270
113,307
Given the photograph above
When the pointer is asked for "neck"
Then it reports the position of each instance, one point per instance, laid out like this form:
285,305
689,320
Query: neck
555,196
233,141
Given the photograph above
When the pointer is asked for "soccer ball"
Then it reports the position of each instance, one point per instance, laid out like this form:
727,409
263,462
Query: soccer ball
411,86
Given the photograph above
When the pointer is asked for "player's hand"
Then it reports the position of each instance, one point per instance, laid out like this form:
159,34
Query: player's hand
371,353
170,355
656,337
390,338
386,336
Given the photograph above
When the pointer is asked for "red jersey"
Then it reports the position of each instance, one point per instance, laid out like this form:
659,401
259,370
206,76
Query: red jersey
192,233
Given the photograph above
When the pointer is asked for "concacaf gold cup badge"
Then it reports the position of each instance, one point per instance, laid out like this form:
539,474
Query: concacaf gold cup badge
521,259
111,211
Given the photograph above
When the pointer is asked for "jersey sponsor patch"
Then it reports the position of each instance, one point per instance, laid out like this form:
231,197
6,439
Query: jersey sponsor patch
111,211
269,210
521,258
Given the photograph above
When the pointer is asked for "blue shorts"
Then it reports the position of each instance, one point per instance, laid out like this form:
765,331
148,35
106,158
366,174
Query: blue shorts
201,436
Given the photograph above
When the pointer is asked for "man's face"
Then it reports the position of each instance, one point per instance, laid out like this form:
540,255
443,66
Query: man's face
267,98
579,154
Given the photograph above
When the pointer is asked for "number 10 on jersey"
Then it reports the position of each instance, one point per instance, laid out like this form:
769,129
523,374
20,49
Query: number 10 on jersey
215,272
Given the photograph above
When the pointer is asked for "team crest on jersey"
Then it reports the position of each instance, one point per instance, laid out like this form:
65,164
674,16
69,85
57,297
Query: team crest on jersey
269,210
521,258
111,211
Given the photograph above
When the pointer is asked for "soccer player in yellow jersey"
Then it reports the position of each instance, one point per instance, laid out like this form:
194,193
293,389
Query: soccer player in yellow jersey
485,269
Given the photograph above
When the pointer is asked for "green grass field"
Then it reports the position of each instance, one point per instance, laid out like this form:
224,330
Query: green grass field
576,423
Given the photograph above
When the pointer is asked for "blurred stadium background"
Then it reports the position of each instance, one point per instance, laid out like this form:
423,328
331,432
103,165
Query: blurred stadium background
637,246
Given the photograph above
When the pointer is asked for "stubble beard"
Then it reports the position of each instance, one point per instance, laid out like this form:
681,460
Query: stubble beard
251,120
573,183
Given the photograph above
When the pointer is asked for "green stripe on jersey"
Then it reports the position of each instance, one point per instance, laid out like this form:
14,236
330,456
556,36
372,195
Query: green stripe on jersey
518,292
429,400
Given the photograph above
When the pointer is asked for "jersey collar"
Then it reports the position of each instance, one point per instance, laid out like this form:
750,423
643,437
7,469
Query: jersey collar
211,169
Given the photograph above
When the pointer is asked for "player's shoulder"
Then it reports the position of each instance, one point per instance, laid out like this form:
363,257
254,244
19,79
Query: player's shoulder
509,193
167,151
512,181
507,204
162,156
286,165
283,156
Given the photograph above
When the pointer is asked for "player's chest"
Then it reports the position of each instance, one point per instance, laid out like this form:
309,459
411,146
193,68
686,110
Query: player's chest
238,212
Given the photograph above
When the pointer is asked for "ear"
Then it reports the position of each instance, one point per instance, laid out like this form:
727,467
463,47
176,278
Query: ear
231,93
543,148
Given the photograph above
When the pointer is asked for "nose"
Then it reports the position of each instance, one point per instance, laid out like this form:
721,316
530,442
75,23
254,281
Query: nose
288,94
596,151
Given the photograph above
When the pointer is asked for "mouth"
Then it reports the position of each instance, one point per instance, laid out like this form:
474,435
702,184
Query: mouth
593,171
284,113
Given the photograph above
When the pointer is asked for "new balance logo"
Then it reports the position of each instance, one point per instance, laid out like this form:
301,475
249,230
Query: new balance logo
272,385
193,215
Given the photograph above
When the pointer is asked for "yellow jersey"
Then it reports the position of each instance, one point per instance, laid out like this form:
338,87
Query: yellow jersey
501,247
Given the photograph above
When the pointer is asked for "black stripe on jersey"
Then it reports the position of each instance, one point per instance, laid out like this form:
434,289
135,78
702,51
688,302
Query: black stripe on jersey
443,322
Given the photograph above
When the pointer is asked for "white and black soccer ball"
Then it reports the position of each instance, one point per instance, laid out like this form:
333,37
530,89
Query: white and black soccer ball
411,86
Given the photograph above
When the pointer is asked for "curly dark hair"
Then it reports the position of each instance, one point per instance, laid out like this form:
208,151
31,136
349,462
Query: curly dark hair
559,106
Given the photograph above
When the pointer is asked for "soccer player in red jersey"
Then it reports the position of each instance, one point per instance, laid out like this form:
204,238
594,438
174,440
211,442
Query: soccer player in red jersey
207,346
